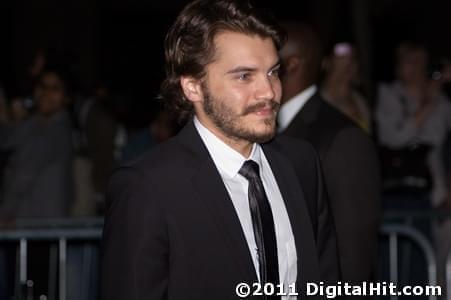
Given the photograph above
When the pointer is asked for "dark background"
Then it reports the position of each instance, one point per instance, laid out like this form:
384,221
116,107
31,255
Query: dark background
122,41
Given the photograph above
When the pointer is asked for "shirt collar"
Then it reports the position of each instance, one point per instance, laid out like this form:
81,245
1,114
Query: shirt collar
227,160
290,109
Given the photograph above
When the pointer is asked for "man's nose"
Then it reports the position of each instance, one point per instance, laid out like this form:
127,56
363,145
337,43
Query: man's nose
266,89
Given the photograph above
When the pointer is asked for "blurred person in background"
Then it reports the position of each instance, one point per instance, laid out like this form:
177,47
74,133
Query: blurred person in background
412,118
96,127
347,154
414,111
38,175
340,85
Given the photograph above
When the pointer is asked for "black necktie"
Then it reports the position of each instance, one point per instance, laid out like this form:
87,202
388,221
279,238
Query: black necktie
263,224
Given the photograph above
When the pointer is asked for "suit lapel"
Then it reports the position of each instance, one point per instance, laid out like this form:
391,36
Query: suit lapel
293,196
209,186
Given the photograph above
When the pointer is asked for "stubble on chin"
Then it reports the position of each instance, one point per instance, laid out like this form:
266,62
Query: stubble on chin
234,125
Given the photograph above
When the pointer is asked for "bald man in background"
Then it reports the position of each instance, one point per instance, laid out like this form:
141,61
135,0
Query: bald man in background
347,154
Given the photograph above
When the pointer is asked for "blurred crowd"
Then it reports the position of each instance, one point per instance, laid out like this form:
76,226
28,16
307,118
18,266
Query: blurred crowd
409,118
58,145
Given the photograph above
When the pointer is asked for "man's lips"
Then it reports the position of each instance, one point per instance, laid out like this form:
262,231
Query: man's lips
265,111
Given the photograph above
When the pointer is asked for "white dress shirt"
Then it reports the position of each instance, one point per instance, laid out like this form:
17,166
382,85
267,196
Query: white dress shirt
291,108
228,162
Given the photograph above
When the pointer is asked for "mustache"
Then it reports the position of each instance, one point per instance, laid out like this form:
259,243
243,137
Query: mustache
258,106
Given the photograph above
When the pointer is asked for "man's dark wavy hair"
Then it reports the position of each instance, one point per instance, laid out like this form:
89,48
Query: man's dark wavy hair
189,44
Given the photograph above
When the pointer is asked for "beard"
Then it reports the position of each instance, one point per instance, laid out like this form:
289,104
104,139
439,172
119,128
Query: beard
233,124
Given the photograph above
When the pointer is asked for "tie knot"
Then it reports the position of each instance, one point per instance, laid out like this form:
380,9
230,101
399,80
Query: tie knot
250,170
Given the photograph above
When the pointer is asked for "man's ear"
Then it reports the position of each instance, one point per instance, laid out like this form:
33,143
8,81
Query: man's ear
192,88
292,63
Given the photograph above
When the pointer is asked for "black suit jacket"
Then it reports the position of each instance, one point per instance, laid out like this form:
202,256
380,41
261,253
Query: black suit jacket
351,171
171,231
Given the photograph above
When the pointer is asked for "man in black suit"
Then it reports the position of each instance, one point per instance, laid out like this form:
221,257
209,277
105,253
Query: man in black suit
347,154
216,205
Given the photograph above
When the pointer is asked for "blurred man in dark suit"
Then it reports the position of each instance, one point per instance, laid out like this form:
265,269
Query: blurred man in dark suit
348,157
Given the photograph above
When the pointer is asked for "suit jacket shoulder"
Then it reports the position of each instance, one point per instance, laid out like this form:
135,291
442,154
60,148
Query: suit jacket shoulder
351,172
320,123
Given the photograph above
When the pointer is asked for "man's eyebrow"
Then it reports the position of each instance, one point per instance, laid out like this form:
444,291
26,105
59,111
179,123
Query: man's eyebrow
240,69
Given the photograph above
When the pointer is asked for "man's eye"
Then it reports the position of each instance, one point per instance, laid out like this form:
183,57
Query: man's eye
243,76
274,73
